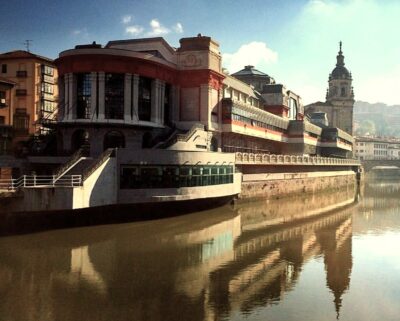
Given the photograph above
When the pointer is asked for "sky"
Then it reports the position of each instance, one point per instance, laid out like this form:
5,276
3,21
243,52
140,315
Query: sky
294,41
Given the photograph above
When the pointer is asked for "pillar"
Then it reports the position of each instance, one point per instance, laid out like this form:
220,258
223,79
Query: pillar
135,98
101,106
72,96
66,96
128,98
204,106
93,96
175,103
155,94
161,101
61,100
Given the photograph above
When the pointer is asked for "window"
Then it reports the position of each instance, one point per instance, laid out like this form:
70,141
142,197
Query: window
84,94
21,121
21,92
144,99
174,176
2,99
47,88
47,106
47,70
22,73
343,92
2,120
292,108
3,68
114,96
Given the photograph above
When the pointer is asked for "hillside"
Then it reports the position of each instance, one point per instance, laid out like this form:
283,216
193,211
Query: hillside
376,119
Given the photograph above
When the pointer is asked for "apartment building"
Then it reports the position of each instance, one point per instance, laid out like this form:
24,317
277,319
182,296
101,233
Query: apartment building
34,94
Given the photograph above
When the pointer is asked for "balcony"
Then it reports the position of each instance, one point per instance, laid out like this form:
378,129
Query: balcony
22,73
21,92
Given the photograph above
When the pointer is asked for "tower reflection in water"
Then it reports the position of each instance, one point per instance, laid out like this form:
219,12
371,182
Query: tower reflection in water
205,266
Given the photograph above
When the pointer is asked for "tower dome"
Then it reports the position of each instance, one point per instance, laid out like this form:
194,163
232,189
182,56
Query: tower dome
340,71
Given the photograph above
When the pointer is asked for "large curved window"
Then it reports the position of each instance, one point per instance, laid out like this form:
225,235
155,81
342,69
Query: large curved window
114,139
144,99
83,95
114,96
79,139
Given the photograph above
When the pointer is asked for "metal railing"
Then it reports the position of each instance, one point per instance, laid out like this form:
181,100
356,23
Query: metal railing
42,181
75,157
271,159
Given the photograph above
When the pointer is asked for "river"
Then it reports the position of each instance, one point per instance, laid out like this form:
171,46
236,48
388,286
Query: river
318,257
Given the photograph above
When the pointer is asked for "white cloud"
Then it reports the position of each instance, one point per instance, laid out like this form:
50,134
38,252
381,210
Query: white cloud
178,28
134,30
254,53
382,87
157,29
126,19
80,32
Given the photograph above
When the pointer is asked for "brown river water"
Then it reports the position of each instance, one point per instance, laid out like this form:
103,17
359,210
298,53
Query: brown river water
318,257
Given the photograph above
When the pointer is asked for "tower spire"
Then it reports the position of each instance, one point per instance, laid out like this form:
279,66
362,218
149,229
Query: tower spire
340,57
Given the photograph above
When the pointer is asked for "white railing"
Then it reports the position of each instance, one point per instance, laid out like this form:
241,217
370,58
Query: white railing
271,159
40,181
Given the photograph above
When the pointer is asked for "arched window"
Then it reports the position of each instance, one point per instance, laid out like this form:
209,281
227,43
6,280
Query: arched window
214,145
114,139
80,139
343,91
146,140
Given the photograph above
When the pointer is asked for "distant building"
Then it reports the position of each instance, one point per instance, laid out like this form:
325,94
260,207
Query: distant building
6,112
371,148
339,102
34,95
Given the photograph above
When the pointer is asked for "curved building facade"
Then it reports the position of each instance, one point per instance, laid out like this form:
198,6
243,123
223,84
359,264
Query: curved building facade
128,93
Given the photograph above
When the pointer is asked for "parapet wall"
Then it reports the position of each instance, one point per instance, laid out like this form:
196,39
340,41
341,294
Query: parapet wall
295,184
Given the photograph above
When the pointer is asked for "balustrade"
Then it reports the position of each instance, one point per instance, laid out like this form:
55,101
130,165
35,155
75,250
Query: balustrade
266,159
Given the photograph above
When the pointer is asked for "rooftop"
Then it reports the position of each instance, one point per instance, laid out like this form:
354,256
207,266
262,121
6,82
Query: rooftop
22,54
250,71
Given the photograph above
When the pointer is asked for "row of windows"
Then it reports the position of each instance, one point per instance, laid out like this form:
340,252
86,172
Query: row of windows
380,152
47,70
252,122
380,146
234,94
114,97
134,177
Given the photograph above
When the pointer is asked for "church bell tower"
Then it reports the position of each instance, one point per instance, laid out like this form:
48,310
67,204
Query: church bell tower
340,95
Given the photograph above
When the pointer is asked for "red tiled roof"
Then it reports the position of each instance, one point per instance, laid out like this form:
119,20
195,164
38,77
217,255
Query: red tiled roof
23,54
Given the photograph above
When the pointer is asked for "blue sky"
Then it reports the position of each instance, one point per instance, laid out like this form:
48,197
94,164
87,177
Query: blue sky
295,41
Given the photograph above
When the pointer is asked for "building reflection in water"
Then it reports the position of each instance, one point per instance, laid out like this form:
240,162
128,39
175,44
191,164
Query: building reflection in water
204,266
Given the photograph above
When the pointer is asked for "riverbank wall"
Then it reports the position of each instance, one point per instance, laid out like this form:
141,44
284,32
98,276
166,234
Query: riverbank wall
276,185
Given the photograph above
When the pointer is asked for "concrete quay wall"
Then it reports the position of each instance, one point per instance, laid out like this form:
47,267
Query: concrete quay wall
275,185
